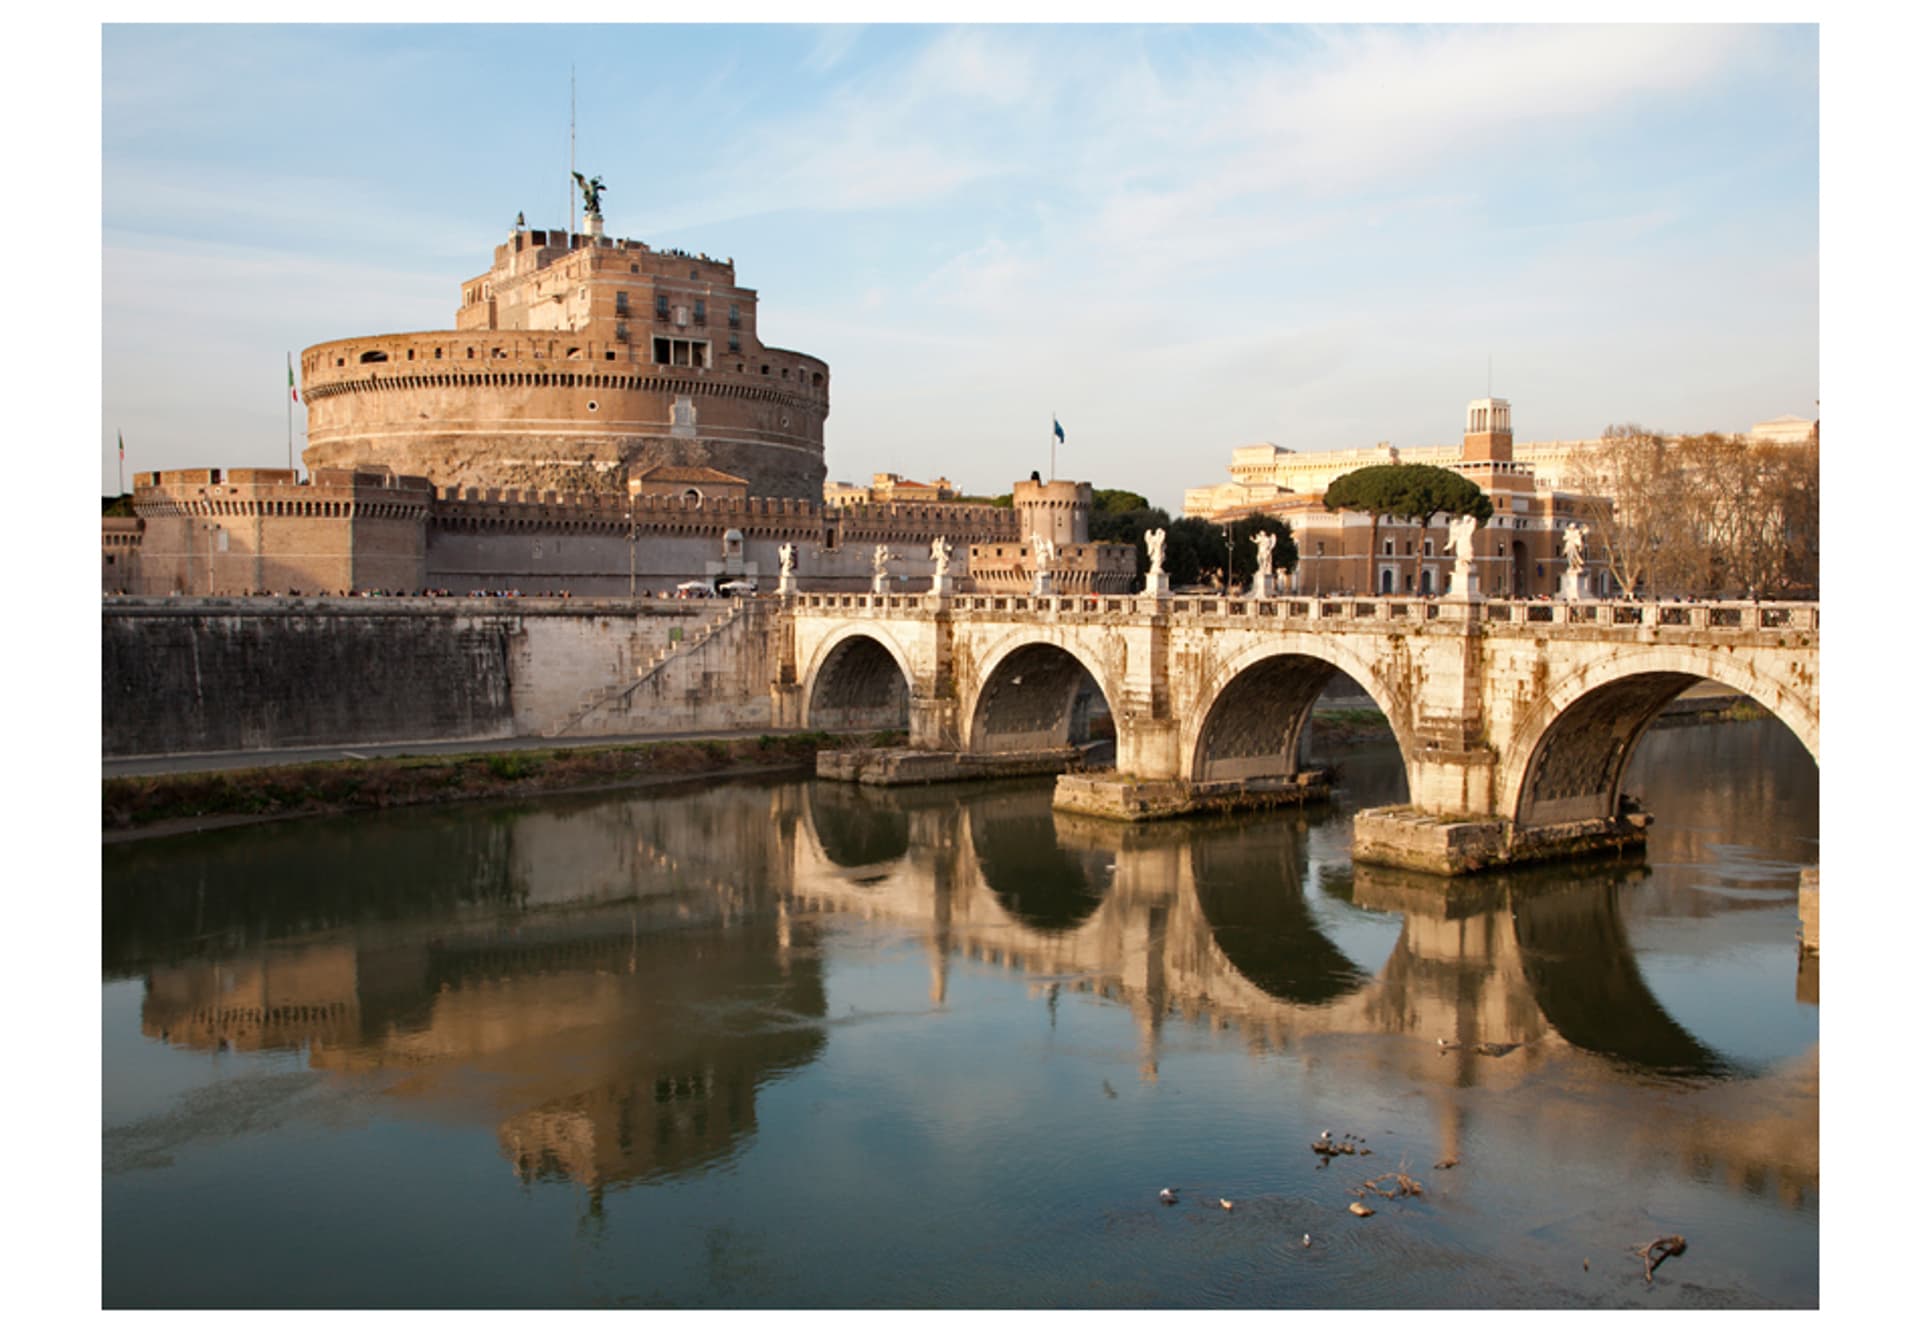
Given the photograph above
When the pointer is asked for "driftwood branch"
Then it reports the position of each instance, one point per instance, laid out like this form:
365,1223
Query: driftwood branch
1655,1252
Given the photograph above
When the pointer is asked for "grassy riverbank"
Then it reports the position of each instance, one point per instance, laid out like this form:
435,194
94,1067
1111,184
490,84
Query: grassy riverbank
165,801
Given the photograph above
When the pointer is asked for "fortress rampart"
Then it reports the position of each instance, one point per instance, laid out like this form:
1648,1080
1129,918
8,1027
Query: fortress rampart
243,530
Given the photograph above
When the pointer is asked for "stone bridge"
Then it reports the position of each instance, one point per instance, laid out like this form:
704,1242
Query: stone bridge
1515,720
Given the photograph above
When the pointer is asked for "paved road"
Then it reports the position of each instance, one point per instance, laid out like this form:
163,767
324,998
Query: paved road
213,761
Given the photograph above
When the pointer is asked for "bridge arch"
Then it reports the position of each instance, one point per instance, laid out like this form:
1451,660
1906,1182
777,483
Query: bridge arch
1028,693
858,678
1568,752
1250,712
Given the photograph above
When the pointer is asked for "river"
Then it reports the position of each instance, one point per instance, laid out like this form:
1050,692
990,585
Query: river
798,1045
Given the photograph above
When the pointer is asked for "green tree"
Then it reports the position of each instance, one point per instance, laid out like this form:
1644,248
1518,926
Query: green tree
1118,502
1412,491
1130,526
1195,548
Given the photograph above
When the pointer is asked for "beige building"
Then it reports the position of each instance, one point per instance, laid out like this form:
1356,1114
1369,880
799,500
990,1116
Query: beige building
1518,553
889,488
1261,474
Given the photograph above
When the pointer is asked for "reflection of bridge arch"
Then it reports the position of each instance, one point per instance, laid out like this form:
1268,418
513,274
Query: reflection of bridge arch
858,678
854,829
1580,968
1044,883
1026,697
1254,906
1252,709
1574,745
1223,926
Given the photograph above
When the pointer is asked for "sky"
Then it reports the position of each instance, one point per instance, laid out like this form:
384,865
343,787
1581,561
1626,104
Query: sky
1176,239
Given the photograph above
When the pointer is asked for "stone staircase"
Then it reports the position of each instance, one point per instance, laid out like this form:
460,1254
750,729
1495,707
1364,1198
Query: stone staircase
595,700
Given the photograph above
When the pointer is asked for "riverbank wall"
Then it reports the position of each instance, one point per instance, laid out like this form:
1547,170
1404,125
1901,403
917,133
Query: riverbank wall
187,675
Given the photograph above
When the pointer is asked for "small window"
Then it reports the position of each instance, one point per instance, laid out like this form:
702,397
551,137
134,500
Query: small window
660,306
1387,548
693,273
699,311
438,353
593,405
733,343
766,370
733,317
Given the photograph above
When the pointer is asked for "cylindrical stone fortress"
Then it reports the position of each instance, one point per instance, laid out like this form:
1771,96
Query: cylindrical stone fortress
575,361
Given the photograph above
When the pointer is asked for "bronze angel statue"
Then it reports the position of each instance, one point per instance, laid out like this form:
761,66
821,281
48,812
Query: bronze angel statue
590,190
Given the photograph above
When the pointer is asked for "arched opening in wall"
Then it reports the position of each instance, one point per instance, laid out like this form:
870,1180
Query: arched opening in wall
1043,880
859,687
368,358
1674,740
1041,698
1291,711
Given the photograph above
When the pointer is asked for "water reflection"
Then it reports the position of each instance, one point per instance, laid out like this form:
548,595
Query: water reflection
609,983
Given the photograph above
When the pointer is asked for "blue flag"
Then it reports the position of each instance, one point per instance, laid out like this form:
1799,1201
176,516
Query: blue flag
1059,434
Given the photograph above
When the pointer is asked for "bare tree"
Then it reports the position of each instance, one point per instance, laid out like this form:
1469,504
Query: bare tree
1703,514
1623,481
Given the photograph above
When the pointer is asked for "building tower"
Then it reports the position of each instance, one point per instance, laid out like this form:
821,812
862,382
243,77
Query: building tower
1061,512
1489,431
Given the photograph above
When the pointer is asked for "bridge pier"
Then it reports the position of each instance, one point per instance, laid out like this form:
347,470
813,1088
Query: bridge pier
1110,796
1413,840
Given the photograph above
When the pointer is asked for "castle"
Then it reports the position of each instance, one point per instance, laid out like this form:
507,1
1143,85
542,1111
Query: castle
575,363
602,421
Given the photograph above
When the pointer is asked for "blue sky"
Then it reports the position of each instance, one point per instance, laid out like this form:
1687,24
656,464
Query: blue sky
1178,239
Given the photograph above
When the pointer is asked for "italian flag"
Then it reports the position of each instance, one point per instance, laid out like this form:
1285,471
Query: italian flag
290,386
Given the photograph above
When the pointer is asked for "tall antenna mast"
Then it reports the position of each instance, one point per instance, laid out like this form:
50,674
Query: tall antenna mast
570,109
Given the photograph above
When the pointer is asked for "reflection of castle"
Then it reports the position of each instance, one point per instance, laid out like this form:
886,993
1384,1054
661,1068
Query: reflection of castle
587,1002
